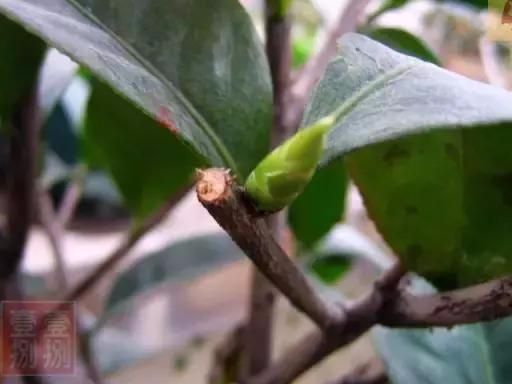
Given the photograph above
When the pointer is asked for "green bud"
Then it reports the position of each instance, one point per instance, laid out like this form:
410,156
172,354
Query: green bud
281,176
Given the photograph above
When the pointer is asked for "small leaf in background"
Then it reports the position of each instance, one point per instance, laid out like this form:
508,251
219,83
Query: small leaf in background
146,160
405,42
473,3
180,262
387,5
218,89
330,268
320,206
433,171
22,54
302,48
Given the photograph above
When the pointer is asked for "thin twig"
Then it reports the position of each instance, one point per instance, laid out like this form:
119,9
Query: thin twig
23,149
72,196
228,206
306,80
124,248
115,257
258,330
53,229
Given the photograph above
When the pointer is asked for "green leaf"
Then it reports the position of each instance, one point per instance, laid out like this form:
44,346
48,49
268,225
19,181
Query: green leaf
330,268
473,3
200,62
437,192
22,54
302,49
315,212
387,5
405,42
180,262
146,160
471,354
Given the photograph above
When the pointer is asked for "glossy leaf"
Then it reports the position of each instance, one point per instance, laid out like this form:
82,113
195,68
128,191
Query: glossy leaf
405,42
471,354
198,62
22,54
436,191
179,262
145,159
320,206
330,268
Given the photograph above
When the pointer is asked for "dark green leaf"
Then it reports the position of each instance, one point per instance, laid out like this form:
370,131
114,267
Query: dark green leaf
471,354
22,54
387,5
473,3
405,42
440,199
320,206
146,160
330,268
180,262
197,63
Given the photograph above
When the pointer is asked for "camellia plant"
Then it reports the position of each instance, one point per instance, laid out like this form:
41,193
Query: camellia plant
185,93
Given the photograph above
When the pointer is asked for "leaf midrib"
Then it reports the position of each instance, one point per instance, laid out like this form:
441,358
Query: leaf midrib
200,120
364,92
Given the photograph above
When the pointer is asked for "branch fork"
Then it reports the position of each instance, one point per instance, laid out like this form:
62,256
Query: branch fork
226,202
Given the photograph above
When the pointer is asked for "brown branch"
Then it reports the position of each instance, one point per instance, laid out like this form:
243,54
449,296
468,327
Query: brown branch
122,250
25,125
483,302
22,158
228,206
302,88
71,197
115,257
395,308
258,330
359,318
53,230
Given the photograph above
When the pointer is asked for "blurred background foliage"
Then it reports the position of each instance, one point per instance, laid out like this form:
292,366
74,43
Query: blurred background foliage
169,304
